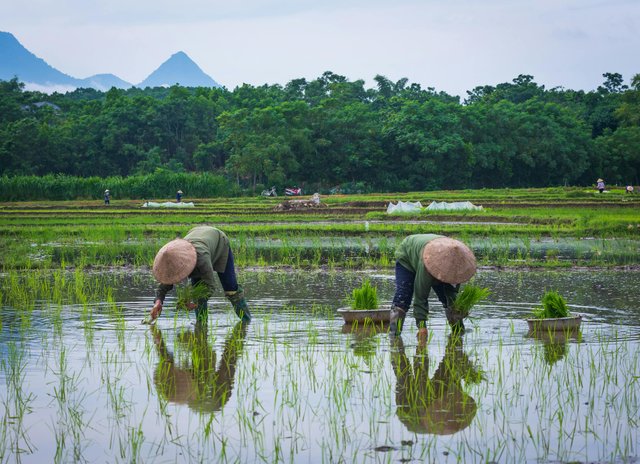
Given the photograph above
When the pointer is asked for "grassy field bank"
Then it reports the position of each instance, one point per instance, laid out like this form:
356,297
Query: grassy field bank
558,227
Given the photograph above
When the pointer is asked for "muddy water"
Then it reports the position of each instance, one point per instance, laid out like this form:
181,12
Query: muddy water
89,382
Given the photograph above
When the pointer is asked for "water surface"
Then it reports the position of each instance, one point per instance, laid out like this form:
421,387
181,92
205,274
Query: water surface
88,382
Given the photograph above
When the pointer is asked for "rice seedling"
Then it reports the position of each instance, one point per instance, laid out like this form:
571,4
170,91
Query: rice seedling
303,390
188,295
17,405
553,305
364,297
466,299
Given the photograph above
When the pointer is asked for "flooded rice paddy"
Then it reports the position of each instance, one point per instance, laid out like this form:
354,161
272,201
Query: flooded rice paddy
83,380
358,251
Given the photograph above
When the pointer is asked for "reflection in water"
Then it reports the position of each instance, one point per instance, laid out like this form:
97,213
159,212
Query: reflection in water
193,379
438,404
555,343
364,342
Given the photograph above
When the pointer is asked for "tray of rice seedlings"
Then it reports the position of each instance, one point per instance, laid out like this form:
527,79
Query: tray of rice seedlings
364,305
553,314
467,298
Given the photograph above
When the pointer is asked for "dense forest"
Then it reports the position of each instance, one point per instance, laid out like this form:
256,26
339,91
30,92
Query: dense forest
330,132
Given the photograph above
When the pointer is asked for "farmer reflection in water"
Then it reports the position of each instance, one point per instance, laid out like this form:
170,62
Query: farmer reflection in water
190,376
438,404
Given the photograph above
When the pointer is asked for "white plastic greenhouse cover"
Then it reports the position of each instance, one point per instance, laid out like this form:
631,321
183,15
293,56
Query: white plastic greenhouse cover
167,204
454,206
404,207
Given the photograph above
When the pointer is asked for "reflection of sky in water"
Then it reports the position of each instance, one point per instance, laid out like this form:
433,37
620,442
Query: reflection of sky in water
323,393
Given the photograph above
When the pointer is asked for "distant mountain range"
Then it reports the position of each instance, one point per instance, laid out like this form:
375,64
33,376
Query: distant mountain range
37,74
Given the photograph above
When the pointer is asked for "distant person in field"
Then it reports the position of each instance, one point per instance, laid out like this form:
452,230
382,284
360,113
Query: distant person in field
425,262
107,197
629,189
600,185
202,253
179,196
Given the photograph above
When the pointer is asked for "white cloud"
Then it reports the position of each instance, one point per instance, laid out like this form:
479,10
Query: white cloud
48,89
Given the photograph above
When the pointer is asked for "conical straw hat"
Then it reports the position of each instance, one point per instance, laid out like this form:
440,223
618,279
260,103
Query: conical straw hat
174,261
449,260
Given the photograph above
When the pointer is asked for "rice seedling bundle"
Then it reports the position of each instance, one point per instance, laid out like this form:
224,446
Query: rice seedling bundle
553,306
365,297
468,298
191,294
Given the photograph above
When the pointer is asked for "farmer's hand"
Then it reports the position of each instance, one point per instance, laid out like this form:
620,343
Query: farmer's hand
191,306
156,310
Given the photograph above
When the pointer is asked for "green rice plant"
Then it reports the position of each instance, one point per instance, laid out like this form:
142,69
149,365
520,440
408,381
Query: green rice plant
188,294
468,298
553,305
365,297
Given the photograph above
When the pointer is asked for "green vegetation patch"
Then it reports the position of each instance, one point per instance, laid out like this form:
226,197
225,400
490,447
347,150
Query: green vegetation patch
365,297
553,306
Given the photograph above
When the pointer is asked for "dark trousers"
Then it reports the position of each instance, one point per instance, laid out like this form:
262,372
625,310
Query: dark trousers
404,287
227,279
404,291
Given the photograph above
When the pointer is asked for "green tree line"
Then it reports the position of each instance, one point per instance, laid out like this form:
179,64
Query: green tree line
327,132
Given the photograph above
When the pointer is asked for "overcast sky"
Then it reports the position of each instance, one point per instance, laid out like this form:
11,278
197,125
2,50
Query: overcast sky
451,45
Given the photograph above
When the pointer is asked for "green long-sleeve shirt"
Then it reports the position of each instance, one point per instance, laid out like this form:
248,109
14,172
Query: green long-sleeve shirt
409,255
212,250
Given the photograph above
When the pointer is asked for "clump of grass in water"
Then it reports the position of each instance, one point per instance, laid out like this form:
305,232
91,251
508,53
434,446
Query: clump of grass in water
365,297
468,298
553,305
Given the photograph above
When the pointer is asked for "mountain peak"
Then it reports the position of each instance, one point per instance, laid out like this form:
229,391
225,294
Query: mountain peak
178,69
17,61
37,74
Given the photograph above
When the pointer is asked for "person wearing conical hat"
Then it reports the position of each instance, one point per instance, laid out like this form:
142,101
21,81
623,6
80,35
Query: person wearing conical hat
179,196
107,197
202,253
600,185
425,262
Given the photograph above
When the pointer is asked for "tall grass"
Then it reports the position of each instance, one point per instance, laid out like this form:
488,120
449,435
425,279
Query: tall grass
161,184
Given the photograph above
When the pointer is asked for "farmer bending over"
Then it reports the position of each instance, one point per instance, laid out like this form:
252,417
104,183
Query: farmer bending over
423,262
203,251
